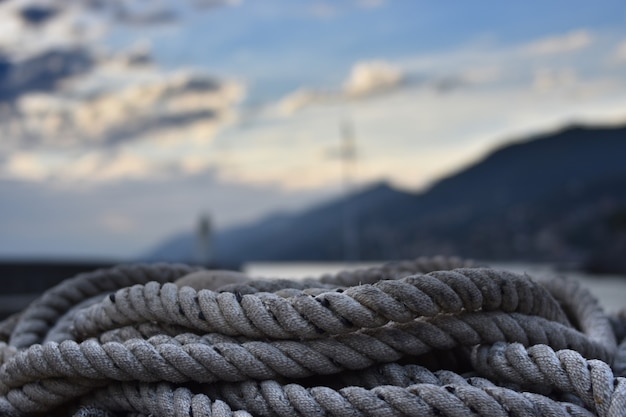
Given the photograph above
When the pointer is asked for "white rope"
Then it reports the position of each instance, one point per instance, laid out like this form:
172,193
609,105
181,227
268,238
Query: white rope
429,337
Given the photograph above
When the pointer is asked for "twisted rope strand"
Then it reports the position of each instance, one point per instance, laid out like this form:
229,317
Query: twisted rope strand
540,367
583,307
269,398
164,359
139,341
304,316
395,270
160,400
37,319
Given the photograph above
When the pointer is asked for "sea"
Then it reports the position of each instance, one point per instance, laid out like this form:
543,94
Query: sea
610,290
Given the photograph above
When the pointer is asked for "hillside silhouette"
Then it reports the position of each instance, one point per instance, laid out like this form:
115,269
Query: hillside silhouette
557,197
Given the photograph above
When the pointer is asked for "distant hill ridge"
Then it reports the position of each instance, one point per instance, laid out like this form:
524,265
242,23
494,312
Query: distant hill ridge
551,197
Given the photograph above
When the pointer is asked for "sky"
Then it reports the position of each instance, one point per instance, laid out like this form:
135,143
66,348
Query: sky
121,121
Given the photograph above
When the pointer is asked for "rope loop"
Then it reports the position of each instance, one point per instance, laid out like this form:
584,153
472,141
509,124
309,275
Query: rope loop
427,337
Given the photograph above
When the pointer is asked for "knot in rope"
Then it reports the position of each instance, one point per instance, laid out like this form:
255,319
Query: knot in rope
428,337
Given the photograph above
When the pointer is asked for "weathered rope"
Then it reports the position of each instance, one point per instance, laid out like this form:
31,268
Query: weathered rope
430,337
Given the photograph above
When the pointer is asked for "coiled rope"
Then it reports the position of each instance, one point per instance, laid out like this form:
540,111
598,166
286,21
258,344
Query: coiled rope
429,337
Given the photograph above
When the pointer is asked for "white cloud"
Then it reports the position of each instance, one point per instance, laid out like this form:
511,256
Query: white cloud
72,111
71,27
568,42
25,166
421,131
365,79
148,123
174,115
74,23
372,77
412,137
216,3
104,167
302,98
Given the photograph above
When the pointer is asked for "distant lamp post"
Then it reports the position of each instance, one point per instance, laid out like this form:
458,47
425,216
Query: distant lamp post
204,241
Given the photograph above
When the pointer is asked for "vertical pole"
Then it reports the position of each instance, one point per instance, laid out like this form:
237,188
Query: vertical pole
348,158
204,248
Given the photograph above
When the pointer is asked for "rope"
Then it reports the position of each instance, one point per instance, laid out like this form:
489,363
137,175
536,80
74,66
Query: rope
429,337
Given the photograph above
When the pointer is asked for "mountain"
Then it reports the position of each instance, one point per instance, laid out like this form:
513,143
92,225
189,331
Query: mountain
510,204
285,236
555,197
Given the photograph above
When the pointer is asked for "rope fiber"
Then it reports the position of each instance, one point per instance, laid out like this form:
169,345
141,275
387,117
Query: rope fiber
427,337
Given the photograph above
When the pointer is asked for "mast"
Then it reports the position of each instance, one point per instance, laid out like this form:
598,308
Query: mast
204,241
348,158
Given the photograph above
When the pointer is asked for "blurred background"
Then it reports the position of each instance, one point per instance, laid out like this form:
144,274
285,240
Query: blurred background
229,132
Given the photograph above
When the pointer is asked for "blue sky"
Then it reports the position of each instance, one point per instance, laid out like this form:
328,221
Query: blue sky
122,123
318,42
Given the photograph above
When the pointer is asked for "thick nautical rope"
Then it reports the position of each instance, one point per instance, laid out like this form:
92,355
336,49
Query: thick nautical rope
428,337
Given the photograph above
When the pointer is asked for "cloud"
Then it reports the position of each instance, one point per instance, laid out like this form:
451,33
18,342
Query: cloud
36,166
31,26
42,72
97,167
70,110
372,77
472,65
444,110
106,166
376,78
140,13
138,55
68,27
463,78
210,4
560,44
416,135
37,14
302,98
170,117
24,165
147,16
365,79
